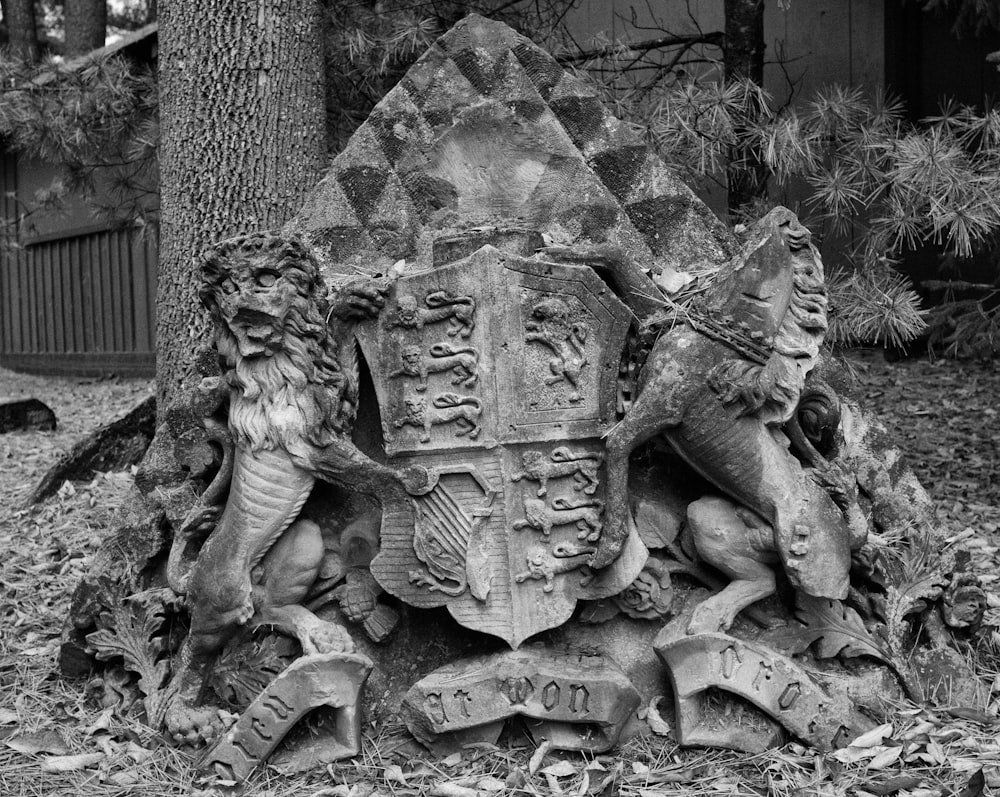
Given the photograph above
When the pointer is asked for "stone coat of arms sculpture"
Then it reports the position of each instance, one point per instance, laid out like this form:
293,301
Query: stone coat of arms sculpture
511,438
553,442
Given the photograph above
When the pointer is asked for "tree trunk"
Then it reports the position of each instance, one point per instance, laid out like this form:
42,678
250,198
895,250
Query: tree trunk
744,53
86,25
243,138
744,60
23,35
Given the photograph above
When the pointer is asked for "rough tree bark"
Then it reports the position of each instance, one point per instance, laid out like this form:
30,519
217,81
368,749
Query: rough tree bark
243,138
86,24
744,60
21,30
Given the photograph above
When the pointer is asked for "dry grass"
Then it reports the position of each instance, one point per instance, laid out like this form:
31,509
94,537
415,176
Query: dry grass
925,753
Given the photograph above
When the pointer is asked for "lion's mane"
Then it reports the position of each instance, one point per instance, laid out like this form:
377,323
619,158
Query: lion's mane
772,390
299,393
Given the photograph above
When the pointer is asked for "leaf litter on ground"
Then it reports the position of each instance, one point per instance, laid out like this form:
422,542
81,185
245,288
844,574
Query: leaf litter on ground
942,416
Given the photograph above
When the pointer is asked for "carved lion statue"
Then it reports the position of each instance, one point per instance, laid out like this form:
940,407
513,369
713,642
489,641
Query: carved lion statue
292,383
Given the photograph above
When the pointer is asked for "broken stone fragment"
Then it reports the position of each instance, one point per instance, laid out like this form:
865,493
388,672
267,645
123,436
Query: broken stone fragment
575,701
326,680
773,683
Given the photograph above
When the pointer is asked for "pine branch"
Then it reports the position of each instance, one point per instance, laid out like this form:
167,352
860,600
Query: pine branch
629,49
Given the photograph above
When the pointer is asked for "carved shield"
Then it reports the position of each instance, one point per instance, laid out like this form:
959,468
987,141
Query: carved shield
498,375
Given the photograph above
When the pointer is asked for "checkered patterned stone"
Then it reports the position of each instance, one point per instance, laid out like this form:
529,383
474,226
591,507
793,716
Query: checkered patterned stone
487,129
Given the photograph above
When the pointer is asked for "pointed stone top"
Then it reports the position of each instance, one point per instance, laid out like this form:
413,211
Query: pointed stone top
487,129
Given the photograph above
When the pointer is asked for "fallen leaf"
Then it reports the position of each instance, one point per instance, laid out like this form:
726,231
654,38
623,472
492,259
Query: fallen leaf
490,784
453,760
102,723
71,763
393,773
885,758
536,757
560,769
975,786
48,741
892,785
340,790
972,715
851,755
7,717
137,753
873,737
452,790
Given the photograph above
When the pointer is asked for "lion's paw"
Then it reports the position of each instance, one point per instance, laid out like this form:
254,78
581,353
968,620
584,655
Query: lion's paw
707,618
328,637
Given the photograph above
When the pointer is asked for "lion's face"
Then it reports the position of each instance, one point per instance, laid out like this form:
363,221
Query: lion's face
549,316
411,357
415,408
407,309
254,298
532,461
534,511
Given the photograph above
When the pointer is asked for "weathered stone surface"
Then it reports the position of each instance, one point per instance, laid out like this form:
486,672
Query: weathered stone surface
487,129
943,676
576,701
328,680
497,375
21,414
715,387
773,683
531,421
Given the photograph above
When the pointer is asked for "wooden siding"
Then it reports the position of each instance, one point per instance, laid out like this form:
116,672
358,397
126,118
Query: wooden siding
83,304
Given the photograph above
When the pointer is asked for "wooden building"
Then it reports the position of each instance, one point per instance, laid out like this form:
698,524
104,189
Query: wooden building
77,294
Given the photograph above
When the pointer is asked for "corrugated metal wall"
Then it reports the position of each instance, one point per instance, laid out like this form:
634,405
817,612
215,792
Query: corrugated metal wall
77,305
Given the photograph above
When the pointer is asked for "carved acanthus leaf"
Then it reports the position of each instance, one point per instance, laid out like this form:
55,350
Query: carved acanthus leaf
832,628
131,631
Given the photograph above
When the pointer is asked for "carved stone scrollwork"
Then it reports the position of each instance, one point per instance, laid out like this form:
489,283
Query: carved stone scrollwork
772,682
576,702
331,680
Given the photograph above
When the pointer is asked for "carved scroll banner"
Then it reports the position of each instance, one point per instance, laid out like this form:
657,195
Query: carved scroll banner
773,683
497,373
330,681
576,702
